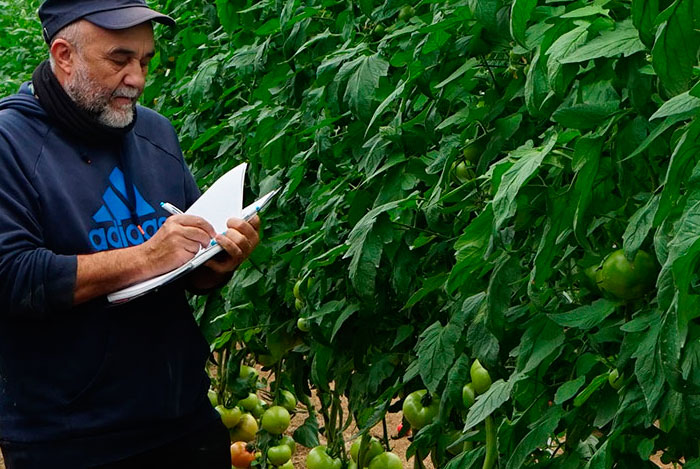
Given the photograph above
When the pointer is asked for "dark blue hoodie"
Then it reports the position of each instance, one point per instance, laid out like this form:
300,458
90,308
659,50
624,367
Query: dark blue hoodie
95,383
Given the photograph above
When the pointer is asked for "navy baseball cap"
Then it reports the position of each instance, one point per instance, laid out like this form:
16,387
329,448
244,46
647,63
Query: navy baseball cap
107,14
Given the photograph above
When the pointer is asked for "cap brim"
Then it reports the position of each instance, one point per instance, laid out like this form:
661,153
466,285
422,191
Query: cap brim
128,17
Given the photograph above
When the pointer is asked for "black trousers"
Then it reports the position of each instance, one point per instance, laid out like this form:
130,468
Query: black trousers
208,448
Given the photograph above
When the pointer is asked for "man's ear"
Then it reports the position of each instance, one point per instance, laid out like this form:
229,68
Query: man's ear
64,55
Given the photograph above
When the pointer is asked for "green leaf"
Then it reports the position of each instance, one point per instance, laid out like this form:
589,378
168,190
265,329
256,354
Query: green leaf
569,389
588,391
586,317
644,17
436,350
683,103
363,83
541,339
537,438
675,49
639,226
366,246
497,395
624,39
429,285
647,368
466,460
528,161
586,162
520,14
602,459
307,433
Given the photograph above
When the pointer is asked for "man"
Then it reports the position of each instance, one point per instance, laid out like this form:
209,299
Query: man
82,173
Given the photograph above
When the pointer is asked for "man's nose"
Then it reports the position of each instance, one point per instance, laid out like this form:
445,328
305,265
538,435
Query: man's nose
135,75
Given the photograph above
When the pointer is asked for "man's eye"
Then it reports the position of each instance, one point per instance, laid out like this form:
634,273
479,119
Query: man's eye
119,62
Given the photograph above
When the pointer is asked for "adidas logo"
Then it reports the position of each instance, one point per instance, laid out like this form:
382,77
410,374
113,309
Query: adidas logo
113,233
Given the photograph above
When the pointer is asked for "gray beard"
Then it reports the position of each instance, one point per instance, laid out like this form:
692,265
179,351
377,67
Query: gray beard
94,98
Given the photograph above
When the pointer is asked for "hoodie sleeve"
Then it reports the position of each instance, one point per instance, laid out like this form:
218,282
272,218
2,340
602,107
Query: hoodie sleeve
34,282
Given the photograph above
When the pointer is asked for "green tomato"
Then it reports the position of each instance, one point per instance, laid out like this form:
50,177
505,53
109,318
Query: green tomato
375,448
287,400
289,441
258,409
304,324
624,279
462,172
276,420
299,304
279,454
406,13
481,380
615,379
249,402
230,417
473,151
213,397
417,414
319,459
297,290
468,395
247,371
386,461
288,465
590,277
246,429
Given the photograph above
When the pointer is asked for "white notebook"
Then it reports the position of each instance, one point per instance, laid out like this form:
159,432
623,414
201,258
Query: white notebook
223,200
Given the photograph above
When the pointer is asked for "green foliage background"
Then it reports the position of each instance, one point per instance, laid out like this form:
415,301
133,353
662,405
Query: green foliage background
584,115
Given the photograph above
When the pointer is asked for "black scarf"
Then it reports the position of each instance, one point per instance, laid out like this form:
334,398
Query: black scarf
68,115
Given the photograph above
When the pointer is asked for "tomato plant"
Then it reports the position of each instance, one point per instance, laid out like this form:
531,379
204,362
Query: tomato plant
586,117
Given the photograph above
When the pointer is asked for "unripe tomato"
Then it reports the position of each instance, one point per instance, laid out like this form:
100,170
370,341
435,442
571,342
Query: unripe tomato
279,454
276,420
258,409
230,417
472,152
249,402
615,379
297,290
386,461
375,449
287,400
462,172
241,454
247,371
245,430
299,304
417,414
289,441
319,459
304,324
406,13
288,465
213,398
624,279
481,380
468,395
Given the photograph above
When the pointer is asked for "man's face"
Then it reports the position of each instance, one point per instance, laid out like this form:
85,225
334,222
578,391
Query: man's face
109,72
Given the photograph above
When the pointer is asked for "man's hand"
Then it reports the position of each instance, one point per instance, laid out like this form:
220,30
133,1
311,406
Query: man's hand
238,243
177,241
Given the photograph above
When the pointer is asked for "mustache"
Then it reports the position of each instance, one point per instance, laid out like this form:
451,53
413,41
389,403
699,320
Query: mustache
126,92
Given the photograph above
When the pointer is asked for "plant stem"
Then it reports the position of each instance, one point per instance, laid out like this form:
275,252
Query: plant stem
490,458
